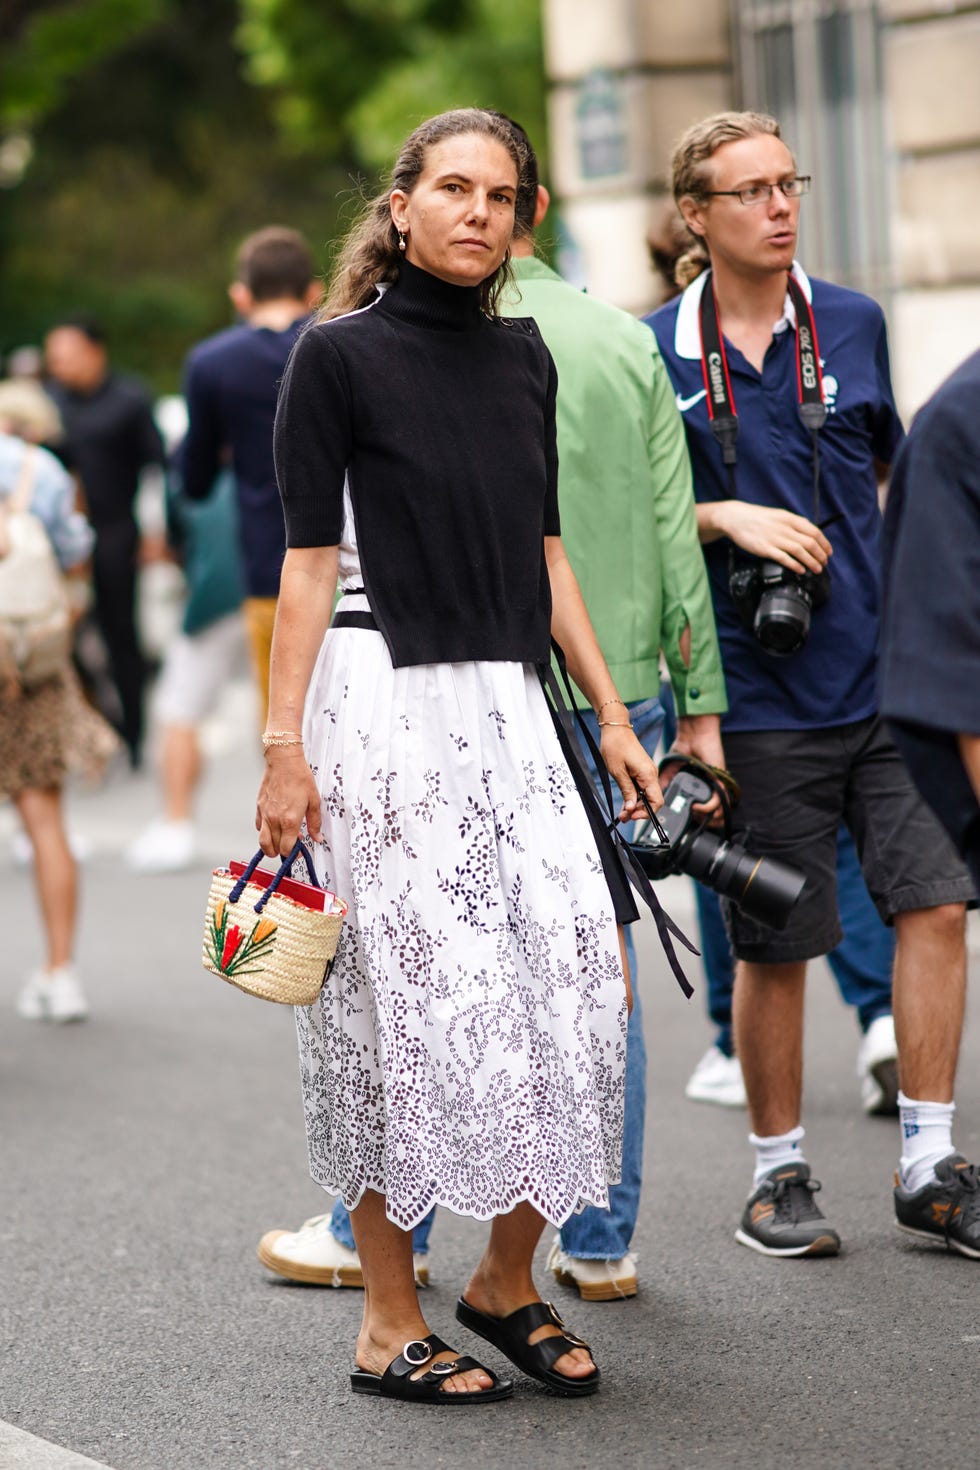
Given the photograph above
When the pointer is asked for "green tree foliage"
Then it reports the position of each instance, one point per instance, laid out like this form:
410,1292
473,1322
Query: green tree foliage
157,159
45,46
365,72
163,131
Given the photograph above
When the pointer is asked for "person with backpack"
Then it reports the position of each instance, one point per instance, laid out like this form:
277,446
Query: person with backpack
46,726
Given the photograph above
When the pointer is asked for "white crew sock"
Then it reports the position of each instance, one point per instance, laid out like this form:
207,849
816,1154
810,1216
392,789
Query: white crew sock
774,1152
927,1137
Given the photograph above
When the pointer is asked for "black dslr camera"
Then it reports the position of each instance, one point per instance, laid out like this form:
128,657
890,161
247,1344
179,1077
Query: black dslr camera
763,888
775,603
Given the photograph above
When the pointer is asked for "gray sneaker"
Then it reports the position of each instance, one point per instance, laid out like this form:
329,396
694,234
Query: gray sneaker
781,1217
947,1211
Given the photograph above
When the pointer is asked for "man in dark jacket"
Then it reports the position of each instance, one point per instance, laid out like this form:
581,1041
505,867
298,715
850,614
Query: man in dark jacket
111,438
232,382
930,655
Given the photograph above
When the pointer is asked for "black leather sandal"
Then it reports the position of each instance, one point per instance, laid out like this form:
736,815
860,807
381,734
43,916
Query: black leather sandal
510,1335
397,1382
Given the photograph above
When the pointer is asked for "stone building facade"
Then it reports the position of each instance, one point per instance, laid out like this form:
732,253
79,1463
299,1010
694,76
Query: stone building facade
880,99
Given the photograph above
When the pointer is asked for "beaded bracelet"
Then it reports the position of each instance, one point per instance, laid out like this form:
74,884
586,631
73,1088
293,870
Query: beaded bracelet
609,701
281,737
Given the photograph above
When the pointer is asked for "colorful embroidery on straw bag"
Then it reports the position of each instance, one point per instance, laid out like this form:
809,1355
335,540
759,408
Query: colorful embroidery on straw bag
269,934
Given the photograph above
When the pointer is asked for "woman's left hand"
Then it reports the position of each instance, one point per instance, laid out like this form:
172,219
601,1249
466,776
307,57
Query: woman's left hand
632,770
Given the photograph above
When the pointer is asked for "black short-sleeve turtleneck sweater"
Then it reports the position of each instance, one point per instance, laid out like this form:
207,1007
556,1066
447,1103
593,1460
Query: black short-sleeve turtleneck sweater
442,420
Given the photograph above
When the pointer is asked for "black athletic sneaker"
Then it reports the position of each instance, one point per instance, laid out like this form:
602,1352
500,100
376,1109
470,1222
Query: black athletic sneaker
781,1217
947,1211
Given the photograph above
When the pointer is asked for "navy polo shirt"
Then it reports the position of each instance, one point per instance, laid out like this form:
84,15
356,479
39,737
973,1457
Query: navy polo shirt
831,680
232,387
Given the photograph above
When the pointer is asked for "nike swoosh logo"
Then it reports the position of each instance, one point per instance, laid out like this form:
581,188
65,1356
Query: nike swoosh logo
685,403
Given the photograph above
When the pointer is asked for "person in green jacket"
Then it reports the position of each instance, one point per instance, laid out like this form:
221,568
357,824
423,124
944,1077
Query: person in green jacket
630,530
629,527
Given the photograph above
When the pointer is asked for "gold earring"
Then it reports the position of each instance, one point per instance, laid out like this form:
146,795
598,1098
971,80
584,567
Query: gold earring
401,241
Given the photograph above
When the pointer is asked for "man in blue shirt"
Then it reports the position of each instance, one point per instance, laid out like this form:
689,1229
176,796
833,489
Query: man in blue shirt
802,734
930,660
232,383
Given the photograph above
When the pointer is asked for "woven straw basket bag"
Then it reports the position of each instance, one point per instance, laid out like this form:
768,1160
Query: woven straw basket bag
271,944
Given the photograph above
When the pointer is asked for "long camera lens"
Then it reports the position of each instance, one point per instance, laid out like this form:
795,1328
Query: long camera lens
764,888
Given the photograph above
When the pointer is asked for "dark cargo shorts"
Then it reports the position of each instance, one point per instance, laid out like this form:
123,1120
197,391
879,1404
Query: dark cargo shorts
797,788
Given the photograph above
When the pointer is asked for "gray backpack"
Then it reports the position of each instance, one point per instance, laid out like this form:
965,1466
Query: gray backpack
35,623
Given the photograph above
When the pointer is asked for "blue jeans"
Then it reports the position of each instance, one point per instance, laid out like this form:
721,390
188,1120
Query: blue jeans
605,1235
861,963
594,1234
340,1229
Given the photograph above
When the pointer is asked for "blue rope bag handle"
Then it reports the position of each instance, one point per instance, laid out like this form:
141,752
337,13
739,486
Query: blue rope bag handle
285,869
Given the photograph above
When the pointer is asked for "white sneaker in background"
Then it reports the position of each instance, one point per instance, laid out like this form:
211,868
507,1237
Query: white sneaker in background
313,1254
717,1079
23,851
165,847
54,995
32,1003
597,1281
877,1067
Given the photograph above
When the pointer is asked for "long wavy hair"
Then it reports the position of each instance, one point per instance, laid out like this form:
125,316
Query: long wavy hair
691,177
370,254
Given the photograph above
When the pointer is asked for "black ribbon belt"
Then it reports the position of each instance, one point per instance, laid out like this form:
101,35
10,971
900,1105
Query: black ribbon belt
354,619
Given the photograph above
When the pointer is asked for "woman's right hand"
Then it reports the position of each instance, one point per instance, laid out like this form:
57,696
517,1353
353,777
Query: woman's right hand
287,796
774,535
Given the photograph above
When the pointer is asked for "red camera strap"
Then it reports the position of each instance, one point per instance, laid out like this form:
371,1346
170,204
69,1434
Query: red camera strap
718,385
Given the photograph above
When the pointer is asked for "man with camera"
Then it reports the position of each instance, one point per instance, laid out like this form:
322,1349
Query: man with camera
784,387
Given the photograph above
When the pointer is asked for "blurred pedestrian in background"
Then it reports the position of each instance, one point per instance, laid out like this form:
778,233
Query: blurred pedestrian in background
232,383
206,653
469,1044
930,664
111,437
46,726
25,364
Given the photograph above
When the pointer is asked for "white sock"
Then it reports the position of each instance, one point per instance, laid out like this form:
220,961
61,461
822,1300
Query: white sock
774,1152
927,1137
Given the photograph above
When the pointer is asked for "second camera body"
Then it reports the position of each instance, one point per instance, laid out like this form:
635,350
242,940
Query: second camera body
764,888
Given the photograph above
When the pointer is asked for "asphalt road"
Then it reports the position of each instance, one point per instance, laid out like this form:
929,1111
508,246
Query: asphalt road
144,1152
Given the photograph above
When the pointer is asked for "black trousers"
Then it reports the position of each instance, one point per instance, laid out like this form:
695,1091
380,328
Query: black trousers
114,583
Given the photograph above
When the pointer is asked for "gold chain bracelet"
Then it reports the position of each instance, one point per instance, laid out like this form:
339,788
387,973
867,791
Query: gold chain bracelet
281,737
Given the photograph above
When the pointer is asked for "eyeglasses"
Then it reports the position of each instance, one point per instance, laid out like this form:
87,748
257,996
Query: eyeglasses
762,193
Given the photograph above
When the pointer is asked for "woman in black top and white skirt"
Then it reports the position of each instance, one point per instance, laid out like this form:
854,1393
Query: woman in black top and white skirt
468,1047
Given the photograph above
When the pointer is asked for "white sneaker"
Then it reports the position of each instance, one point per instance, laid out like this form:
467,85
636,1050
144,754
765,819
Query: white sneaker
877,1067
597,1281
717,1079
165,847
54,995
314,1255
23,850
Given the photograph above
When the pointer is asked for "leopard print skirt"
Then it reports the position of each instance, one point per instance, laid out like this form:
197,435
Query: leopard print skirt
47,733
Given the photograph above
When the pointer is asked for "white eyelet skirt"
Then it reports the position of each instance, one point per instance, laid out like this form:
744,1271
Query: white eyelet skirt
469,1045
